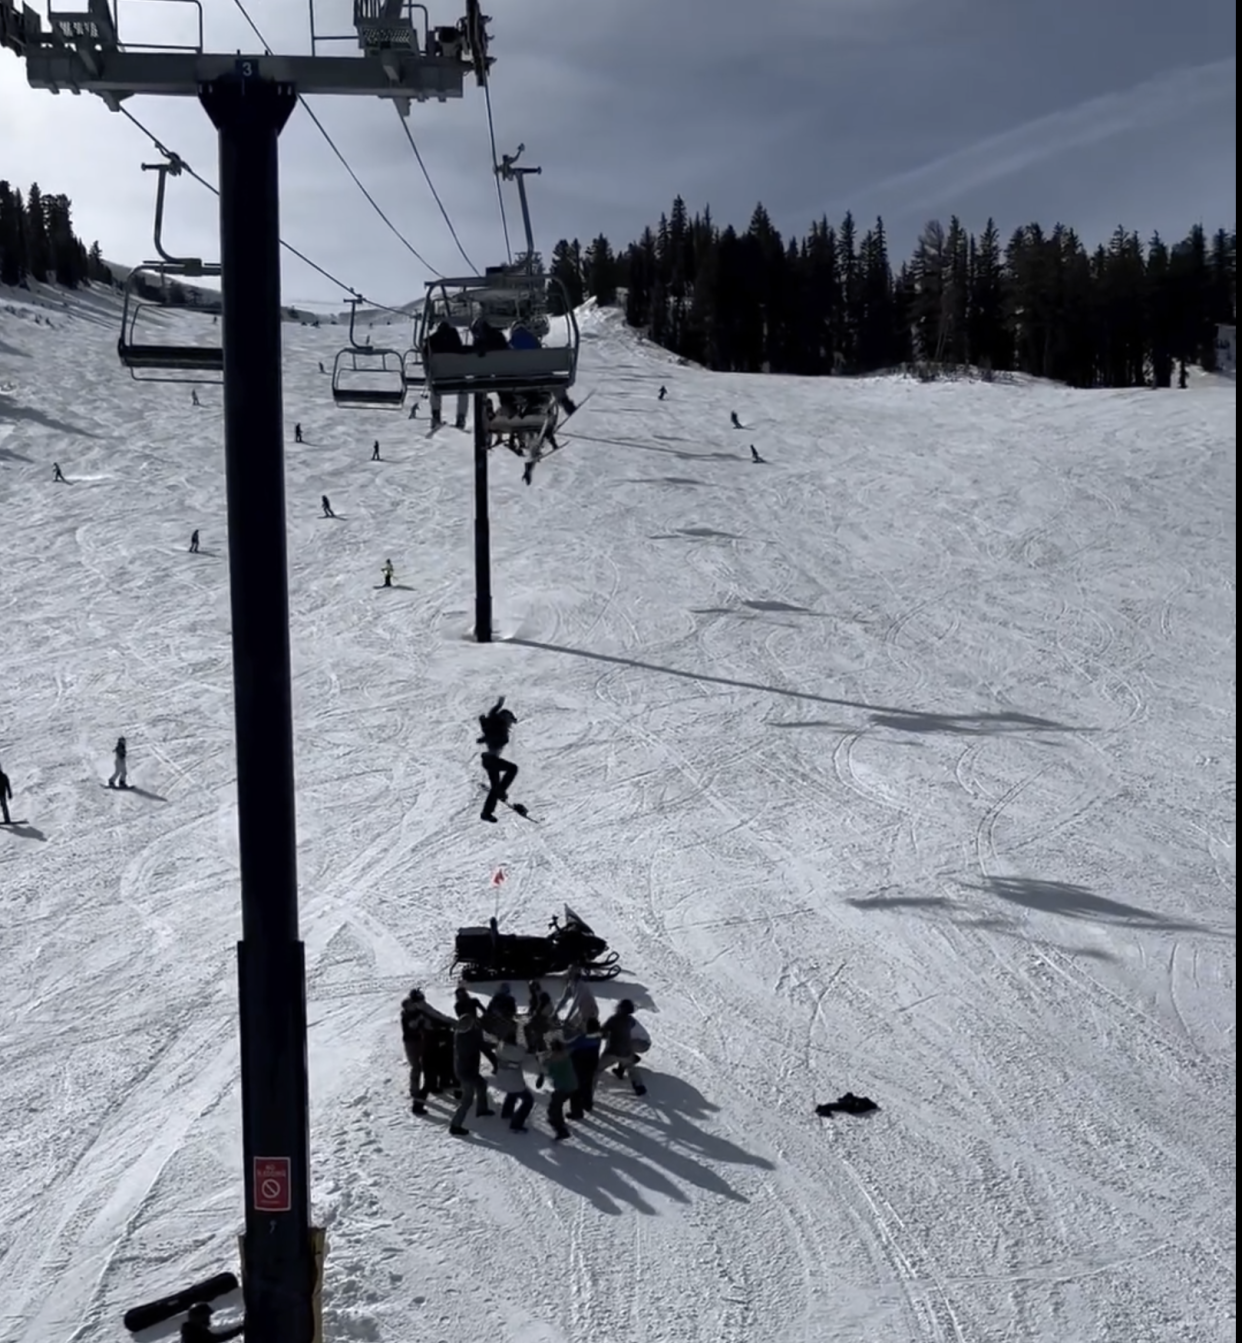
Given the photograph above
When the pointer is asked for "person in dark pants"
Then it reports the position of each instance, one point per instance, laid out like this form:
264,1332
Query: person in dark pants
469,1049
560,1070
6,796
375,451
194,542
297,433
584,1054
58,474
663,393
497,723
327,507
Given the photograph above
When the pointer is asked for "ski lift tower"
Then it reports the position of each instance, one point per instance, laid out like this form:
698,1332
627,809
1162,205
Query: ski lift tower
249,98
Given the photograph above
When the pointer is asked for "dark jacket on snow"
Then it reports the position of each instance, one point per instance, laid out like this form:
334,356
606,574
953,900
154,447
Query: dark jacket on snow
496,725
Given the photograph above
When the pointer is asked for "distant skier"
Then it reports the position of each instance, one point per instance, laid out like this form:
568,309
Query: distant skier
737,424
120,772
327,507
297,433
754,456
194,401
194,542
196,1327
375,451
663,393
497,723
6,796
388,572
321,367
58,474
414,411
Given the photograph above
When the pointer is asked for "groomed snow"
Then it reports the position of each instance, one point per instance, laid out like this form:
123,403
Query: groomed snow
901,764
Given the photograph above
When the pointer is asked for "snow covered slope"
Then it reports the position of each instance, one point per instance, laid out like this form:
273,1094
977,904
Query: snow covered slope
902,764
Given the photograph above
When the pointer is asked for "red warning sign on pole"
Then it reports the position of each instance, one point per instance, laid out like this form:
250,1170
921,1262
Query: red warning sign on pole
273,1184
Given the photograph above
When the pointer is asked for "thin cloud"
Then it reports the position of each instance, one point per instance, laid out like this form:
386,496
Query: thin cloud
1155,102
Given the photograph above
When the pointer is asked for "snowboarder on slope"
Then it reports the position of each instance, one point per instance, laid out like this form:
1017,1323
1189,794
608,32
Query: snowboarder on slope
496,724
194,542
196,1327
388,572
327,507
120,775
6,796
58,474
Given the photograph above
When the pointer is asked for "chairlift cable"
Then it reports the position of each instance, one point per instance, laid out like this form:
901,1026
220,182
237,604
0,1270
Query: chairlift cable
500,195
405,126
289,247
401,238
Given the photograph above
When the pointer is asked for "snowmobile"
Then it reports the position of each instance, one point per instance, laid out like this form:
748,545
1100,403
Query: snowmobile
489,954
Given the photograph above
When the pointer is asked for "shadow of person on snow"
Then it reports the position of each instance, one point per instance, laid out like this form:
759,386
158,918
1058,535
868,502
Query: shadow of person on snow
143,792
396,587
26,831
627,1148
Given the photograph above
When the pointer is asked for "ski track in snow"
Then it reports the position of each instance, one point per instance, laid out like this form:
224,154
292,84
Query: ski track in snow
901,764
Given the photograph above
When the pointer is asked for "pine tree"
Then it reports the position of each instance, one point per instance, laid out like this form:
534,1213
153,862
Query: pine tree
38,248
12,236
600,277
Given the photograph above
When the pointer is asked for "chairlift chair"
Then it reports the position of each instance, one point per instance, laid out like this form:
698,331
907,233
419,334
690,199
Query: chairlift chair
148,361
367,376
547,368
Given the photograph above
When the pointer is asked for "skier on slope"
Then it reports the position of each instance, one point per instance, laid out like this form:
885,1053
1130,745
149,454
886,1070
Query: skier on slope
496,724
120,775
6,796
754,456
58,474
737,424
194,542
388,572
663,393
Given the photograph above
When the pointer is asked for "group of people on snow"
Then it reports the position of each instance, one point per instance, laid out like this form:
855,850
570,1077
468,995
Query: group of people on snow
565,1046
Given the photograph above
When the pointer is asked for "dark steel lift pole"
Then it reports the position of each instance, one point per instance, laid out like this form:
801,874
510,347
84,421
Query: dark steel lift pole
249,114
482,528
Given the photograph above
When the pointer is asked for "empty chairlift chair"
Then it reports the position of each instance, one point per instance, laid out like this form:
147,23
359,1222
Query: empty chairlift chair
368,377
150,290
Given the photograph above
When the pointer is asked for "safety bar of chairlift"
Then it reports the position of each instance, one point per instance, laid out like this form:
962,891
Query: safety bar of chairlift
363,397
500,370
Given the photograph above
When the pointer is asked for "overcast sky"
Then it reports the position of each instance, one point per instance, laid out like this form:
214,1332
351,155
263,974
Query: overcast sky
1093,112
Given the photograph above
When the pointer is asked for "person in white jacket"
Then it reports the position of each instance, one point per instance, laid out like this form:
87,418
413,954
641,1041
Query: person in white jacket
511,1079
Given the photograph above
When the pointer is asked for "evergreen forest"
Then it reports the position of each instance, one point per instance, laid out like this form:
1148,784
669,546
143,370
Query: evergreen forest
1127,314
